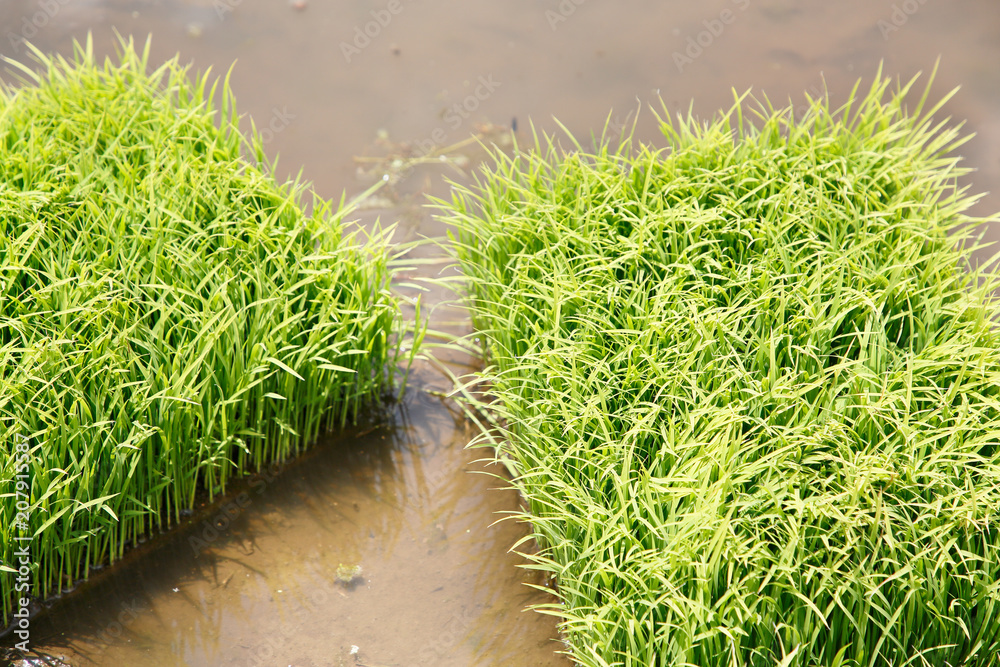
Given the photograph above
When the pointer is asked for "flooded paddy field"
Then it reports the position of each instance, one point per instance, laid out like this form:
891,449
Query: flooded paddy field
340,90
378,539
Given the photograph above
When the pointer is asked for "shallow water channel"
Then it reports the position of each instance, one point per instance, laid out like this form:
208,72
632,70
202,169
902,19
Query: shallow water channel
335,88
258,580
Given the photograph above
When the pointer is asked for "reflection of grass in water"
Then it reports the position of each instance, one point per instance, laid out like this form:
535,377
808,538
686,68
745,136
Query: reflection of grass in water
401,158
751,393
170,316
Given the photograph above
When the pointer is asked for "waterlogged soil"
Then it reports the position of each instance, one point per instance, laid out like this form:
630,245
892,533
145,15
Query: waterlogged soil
351,92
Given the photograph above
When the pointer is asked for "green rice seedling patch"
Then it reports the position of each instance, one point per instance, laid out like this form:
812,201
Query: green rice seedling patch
170,316
749,385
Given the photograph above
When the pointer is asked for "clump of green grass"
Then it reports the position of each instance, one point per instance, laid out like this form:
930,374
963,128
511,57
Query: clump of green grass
169,315
750,387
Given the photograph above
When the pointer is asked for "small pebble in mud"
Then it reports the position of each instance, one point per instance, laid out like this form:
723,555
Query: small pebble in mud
395,50
348,574
298,4
194,29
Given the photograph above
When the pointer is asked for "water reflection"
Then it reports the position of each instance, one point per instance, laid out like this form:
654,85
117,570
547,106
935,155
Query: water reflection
254,579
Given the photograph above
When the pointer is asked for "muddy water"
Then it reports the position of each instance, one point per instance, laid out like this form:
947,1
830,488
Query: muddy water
437,586
261,581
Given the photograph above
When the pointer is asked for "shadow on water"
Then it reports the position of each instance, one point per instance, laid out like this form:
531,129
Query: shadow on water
332,81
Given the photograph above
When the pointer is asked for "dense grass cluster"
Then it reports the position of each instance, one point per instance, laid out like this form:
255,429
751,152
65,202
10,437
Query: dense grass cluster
750,387
169,315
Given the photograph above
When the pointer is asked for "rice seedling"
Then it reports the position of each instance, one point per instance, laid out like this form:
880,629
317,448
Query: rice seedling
749,387
170,317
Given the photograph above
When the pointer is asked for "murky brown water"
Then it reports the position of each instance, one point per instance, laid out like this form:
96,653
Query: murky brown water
258,581
439,587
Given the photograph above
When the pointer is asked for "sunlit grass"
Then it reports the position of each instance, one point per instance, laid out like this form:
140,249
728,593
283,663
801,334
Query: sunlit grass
750,387
170,316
